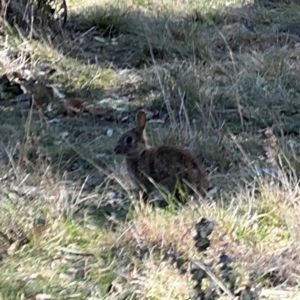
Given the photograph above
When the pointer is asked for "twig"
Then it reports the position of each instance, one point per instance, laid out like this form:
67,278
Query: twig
84,34
214,278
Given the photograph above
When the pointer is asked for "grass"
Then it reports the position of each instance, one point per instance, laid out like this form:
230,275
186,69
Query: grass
218,84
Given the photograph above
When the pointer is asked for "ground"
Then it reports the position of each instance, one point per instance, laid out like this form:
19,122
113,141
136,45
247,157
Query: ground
212,75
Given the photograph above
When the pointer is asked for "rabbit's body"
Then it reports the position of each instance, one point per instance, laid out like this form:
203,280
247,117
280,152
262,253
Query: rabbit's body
165,165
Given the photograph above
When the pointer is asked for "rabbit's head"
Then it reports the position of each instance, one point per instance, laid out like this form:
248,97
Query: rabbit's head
133,142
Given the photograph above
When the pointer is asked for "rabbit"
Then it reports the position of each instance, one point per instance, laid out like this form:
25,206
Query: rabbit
164,164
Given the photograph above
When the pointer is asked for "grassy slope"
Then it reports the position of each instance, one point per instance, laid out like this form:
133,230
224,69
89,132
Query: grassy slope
203,50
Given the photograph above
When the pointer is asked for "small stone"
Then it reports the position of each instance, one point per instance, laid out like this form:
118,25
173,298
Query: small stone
247,294
38,222
109,132
204,228
225,259
202,244
198,274
43,297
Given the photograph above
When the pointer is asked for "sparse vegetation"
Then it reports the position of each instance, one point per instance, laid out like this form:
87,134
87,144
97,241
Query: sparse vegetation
212,75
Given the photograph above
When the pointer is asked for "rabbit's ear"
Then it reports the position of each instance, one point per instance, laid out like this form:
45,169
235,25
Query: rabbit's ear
141,120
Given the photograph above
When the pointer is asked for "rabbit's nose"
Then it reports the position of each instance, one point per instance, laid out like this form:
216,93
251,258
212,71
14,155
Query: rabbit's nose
117,150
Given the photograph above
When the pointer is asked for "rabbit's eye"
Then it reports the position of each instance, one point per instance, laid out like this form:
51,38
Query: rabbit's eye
129,140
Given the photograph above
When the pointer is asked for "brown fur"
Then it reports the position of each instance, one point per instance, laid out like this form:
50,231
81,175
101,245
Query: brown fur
164,164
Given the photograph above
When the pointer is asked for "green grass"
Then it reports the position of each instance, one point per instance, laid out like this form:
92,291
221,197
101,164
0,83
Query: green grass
219,85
